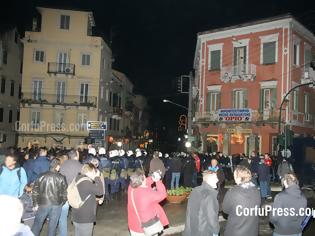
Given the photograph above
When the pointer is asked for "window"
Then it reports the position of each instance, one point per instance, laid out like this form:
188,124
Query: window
5,57
307,56
110,98
85,60
20,91
39,56
267,99
35,119
118,124
110,123
215,60
18,115
102,92
295,101
1,114
12,88
296,54
306,104
59,120
84,91
240,60
269,53
119,101
240,99
3,138
61,90
3,85
213,101
115,100
10,116
64,22
82,120
37,89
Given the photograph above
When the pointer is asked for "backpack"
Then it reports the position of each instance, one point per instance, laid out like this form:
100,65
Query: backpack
18,172
73,194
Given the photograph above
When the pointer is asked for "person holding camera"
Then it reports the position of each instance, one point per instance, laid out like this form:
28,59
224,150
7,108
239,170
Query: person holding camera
145,214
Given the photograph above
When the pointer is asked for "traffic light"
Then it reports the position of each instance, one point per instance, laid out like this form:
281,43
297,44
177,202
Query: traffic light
179,85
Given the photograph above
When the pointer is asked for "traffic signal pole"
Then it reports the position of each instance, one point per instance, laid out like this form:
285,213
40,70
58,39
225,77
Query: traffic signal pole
190,105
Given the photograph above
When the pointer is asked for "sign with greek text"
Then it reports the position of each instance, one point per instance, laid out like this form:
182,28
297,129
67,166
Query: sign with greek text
235,115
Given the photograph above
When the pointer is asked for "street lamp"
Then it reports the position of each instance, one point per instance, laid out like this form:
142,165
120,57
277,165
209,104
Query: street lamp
119,144
174,103
188,144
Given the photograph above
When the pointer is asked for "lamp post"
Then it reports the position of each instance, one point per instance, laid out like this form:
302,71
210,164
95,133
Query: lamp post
176,104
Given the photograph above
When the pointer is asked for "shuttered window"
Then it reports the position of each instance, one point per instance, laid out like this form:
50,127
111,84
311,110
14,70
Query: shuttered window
269,53
240,99
213,101
215,60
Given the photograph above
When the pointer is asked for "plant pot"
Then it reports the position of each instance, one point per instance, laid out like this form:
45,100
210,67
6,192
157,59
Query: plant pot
176,199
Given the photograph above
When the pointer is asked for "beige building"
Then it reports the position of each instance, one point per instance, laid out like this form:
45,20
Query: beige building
65,70
10,76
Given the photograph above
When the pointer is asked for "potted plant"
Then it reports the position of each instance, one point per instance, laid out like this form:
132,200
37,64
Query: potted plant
177,195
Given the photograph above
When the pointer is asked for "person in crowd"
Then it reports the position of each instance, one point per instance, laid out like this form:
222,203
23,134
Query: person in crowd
203,208
245,161
254,163
41,164
28,167
264,178
11,210
284,168
13,178
85,216
156,164
214,167
175,167
246,195
143,202
70,169
195,175
290,198
168,172
189,168
49,195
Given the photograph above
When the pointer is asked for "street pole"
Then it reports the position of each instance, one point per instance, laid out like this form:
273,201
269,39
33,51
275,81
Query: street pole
280,113
190,105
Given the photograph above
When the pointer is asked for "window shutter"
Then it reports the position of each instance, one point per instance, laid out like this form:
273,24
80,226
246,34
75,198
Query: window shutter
208,102
215,60
218,101
261,100
269,53
245,98
235,57
234,99
274,98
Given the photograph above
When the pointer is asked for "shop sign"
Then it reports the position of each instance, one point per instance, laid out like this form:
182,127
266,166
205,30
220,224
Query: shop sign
235,115
96,125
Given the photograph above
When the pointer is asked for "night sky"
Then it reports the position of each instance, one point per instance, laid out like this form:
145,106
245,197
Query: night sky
153,41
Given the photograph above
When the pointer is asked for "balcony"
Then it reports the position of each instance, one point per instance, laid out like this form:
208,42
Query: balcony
308,75
53,99
244,72
61,68
117,111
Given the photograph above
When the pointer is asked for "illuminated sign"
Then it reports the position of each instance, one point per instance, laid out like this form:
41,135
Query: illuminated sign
235,115
96,125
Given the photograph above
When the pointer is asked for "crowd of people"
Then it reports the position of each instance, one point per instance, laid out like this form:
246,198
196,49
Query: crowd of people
40,179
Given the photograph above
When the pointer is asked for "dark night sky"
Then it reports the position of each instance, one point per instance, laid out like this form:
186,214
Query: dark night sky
153,41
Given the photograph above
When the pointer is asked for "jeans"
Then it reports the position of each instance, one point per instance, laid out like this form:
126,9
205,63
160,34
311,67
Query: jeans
275,234
175,177
63,220
264,189
53,212
194,179
83,229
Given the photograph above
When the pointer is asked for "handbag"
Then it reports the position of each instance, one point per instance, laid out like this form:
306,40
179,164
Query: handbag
151,227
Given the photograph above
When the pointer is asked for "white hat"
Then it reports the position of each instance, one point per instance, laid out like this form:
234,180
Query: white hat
166,155
145,153
121,152
138,153
160,154
113,153
129,153
92,151
101,151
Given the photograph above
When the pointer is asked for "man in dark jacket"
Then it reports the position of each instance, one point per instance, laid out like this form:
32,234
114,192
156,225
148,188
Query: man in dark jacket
244,195
203,208
176,166
70,169
49,194
41,164
290,198
264,179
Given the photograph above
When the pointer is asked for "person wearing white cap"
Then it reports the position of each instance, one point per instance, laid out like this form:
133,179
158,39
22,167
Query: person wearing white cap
92,151
114,173
101,151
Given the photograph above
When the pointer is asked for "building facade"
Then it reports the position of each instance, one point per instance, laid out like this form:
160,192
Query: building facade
65,70
10,87
242,74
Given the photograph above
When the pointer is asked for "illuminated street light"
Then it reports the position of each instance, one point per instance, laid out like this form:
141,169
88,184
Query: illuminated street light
174,103
188,144
119,144
178,139
186,136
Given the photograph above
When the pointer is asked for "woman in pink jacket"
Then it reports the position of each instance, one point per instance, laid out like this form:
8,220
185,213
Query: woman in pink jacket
146,201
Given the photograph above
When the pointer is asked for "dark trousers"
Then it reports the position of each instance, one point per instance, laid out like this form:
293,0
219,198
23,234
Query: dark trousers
53,212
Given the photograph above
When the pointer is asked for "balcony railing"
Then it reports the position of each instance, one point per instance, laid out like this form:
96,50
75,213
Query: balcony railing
60,99
308,75
245,72
61,68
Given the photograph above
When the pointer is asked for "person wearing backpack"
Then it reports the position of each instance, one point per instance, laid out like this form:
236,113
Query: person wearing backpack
89,185
13,178
49,195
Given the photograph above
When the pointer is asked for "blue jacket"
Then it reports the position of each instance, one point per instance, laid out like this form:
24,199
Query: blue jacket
263,172
40,165
10,183
29,166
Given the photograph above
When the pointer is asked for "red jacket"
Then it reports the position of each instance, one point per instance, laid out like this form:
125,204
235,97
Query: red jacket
197,161
147,203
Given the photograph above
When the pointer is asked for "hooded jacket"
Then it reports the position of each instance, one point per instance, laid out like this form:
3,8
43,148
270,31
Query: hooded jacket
202,212
245,196
290,198
12,183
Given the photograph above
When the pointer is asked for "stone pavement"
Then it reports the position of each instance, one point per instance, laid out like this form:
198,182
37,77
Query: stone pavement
112,218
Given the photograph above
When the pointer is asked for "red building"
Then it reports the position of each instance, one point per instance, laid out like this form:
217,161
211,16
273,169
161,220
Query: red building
242,73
